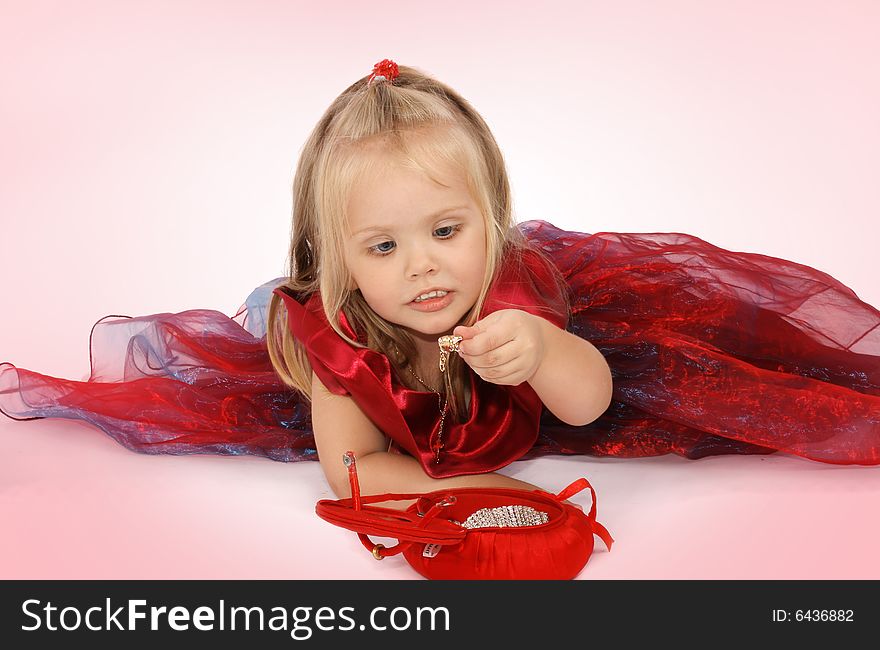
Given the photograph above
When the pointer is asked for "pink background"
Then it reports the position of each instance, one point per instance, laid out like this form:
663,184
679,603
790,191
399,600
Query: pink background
147,154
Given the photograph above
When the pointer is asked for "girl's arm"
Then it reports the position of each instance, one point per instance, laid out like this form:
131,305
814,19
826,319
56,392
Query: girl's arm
573,379
339,425
513,346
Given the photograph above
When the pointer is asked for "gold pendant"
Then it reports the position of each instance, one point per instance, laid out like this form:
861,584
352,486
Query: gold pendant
447,344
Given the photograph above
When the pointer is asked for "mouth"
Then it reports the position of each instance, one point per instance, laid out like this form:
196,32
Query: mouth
433,303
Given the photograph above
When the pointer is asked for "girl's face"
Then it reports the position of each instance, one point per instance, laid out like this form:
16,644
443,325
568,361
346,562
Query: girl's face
409,236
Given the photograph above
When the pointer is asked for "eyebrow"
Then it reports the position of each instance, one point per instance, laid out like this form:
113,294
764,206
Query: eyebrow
429,217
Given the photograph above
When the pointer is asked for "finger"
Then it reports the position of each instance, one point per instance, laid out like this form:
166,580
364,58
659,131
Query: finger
496,360
469,332
465,332
486,342
497,370
510,374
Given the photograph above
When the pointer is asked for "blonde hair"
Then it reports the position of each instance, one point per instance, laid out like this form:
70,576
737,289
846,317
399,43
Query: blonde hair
427,125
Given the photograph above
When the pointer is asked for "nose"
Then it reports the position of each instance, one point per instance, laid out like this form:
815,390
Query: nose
421,261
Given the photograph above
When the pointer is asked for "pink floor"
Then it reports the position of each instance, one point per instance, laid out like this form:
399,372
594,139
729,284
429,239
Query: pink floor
76,505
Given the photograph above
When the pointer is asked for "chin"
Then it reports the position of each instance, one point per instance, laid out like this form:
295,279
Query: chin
431,330
440,331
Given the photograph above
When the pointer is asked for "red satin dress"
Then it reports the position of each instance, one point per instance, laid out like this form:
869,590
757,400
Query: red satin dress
503,420
711,352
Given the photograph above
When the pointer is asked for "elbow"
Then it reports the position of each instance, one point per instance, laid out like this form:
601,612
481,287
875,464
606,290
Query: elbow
595,415
339,480
593,408
582,414
603,397
342,490
341,485
586,394
583,420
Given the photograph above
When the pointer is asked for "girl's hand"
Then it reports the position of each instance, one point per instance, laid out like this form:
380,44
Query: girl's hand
504,348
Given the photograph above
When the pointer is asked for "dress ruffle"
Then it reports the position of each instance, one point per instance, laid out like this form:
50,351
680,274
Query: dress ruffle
717,352
711,352
193,382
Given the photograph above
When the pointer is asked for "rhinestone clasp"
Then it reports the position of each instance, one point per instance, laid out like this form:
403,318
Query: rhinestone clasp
506,517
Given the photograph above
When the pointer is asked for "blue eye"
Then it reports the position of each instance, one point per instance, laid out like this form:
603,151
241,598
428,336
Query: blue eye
451,231
386,247
377,250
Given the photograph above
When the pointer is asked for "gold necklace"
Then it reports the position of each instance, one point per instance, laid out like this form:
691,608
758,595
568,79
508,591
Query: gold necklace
448,344
442,408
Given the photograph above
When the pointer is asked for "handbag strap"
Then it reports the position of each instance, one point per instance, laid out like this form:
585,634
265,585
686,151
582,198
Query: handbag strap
409,528
572,489
407,531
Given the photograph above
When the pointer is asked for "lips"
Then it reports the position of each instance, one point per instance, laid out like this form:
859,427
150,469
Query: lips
433,304
424,291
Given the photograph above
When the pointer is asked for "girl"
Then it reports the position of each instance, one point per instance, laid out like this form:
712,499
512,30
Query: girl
408,227
616,344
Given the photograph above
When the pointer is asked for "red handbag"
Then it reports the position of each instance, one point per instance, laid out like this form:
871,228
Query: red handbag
475,533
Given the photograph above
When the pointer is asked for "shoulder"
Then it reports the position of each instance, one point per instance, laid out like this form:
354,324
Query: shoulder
331,357
529,280
307,316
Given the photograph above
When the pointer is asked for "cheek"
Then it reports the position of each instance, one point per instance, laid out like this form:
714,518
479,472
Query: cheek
475,263
374,285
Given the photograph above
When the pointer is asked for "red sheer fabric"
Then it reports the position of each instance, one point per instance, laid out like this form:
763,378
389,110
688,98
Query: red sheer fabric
711,351
192,382
716,352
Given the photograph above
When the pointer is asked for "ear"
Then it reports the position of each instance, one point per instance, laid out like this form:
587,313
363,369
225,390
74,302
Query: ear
352,285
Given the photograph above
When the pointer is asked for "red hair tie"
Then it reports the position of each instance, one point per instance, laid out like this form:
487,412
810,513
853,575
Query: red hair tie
385,69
